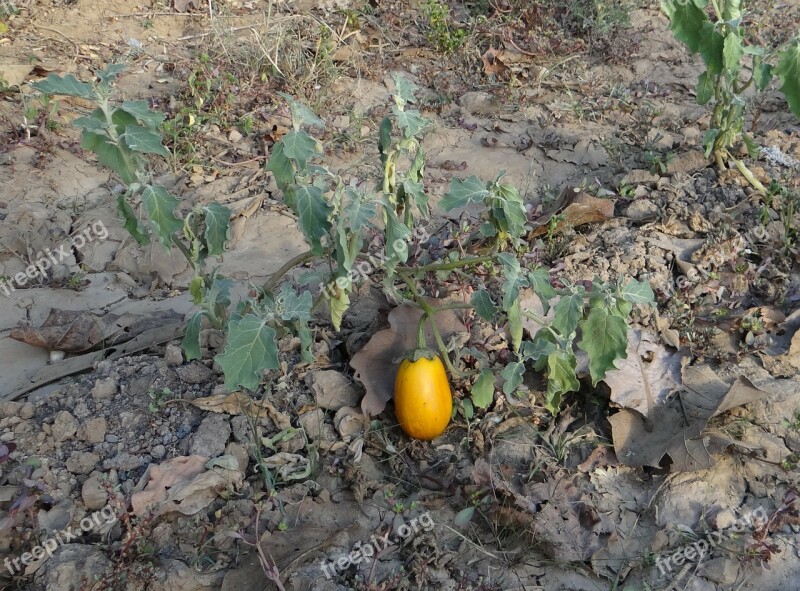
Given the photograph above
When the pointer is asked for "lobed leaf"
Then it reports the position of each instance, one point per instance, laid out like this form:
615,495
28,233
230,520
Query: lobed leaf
191,339
483,304
140,110
482,392
160,206
312,210
141,139
686,21
604,337
463,192
788,70
217,220
250,349
68,85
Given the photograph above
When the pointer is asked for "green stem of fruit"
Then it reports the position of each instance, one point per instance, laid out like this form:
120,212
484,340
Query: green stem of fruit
429,313
446,266
421,344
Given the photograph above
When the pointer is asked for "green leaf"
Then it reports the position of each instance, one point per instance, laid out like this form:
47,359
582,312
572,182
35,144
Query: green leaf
219,294
482,393
638,292
539,280
306,341
140,139
359,211
464,516
711,45
560,378
732,52
762,73
483,304
385,138
463,192
116,157
788,70
397,235
541,346
705,88
90,123
112,71
140,111
731,10
132,223
191,339
604,337
410,122
509,210
301,114
686,21
416,192
515,325
292,306
312,210
404,88
512,374
708,141
300,146
514,280
568,311
281,167
160,206
250,349
751,145
68,85
217,219
417,169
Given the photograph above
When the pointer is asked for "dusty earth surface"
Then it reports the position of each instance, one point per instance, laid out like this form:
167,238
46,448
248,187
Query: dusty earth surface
332,500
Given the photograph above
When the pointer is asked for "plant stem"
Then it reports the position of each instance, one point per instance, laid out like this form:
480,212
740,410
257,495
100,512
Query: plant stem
421,343
446,266
746,173
429,312
276,277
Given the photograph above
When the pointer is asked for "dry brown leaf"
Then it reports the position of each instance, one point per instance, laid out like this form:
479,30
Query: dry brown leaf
680,426
648,367
492,63
173,473
576,207
376,364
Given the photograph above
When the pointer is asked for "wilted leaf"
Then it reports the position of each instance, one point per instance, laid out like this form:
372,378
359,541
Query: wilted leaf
576,207
376,364
690,446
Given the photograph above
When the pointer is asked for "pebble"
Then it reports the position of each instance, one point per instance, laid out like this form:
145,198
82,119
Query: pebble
104,389
64,427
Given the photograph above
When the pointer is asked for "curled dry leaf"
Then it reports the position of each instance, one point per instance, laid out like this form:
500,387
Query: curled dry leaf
238,403
183,484
376,364
350,421
75,331
576,208
680,424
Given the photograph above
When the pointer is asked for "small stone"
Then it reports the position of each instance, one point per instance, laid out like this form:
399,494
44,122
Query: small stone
173,355
123,462
211,436
639,177
94,494
242,431
240,453
724,519
158,452
312,423
64,426
479,103
104,389
195,373
57,518
332,390
7,436
234,136
721,570
641,210
71,566
82,462
10,409
688,162
110,438
27,411
93,430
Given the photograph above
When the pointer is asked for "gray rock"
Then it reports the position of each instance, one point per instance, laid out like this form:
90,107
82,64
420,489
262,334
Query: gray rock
93,430
82,462
123,461
179,577
332,390
56,518
105,389
70,565
479,103
241,429
240,453
27,411
641,210
64,426
312,422
211,436
720,570
173,354
10,409
93,493
158,452
195,373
